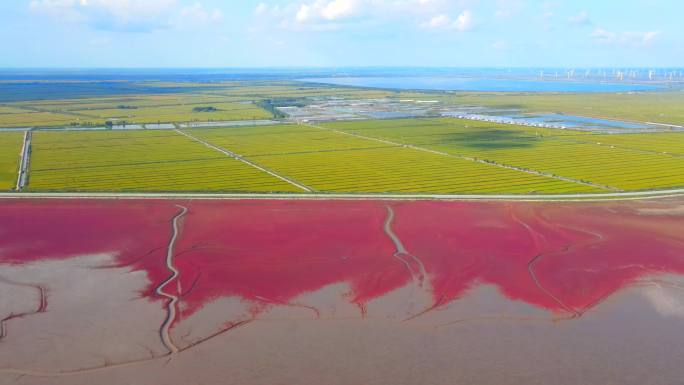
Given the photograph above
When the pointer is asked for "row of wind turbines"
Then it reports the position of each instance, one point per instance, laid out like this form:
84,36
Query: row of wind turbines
615,74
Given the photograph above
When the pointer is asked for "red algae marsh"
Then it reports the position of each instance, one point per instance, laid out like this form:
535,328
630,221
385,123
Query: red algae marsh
341,292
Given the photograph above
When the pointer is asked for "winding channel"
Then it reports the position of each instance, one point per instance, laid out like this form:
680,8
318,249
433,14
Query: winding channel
173,299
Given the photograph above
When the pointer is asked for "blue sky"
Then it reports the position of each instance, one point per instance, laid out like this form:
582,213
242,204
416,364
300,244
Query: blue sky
338,33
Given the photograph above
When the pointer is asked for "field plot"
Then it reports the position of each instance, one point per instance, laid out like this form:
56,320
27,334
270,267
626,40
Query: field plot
334,162
577,155
182,113
4,110
283,140
138,161
10,149
660,107
38,119
142,108
267,90
139,101
168,103
662,142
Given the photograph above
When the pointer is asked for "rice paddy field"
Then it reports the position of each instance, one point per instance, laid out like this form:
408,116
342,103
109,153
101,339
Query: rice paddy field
10,148
432,156
660,107
133,111
35,118
138,161
437,156
329,161
617,161
181,113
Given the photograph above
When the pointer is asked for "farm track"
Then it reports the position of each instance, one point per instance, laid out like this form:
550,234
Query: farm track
61,112
24,162
586,197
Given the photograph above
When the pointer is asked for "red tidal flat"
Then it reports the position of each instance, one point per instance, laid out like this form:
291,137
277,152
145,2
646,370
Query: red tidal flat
136,233
564,257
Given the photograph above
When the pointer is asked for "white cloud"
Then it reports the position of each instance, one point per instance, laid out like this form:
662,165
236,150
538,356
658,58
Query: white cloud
304,13
122,15
439,21
66,10
602,36
629,39
327,10
463,22
648,37
548,14
196,16
337,9
581,19
507,8
261,9
319,15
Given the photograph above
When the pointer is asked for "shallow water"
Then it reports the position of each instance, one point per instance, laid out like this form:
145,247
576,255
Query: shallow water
480,84
230,123
582,121
574,121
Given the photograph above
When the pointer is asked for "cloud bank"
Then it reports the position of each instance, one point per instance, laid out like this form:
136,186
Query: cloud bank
126,15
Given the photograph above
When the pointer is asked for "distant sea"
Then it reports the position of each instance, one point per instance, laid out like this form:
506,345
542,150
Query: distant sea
448,83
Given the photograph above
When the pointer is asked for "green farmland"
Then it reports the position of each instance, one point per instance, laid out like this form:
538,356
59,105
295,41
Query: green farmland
659,107
617,161
138,161
432,156
333,162
181,113
10,148
202,102
427,155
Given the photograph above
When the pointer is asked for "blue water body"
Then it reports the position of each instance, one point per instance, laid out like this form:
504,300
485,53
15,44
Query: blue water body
479,84
582,121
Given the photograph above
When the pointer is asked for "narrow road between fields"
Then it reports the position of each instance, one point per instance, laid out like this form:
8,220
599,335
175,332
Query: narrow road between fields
24,162
628,195
243,160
